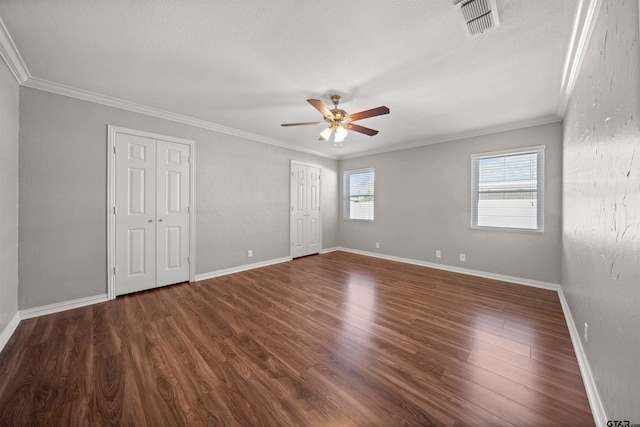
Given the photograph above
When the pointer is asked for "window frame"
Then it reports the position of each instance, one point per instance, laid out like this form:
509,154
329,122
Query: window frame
346,196
539,150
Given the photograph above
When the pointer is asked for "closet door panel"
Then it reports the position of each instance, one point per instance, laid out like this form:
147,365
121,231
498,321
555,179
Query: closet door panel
298,211
173,169
314,232
135,238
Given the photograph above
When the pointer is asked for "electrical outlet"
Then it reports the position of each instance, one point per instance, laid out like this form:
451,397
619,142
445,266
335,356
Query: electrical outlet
438,254
463,257
586,332
377,245
250,253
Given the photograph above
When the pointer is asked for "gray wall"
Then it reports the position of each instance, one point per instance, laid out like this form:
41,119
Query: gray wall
8,196
242,196
601,237
423,203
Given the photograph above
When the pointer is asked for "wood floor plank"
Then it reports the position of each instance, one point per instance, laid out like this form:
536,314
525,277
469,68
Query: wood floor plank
184,359
20,401
248,399
14,352
299,403
345,393
104,333
570,395
336,339
498,405
536,400
110,387
161,401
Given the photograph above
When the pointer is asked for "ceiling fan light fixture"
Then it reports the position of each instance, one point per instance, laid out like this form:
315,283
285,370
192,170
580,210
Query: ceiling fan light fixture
326,134
341,134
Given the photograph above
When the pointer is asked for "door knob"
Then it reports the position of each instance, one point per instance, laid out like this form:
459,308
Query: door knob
160,220
150,220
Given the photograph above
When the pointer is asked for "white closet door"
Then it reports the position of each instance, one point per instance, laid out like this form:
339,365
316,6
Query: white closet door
306,228
298,211
314,232
173,167
135,238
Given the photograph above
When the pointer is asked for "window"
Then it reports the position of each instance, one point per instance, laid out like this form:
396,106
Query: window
507,190
358,194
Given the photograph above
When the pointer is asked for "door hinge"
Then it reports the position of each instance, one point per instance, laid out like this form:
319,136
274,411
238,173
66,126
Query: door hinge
188,209
189,260
115,210
115,150
115,270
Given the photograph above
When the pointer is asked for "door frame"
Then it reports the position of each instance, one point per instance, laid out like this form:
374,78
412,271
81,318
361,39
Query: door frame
291,225
112,133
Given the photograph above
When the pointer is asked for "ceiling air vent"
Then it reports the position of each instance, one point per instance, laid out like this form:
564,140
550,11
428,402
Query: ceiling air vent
479,16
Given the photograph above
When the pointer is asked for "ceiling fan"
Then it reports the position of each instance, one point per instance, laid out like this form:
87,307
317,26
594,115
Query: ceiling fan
339,121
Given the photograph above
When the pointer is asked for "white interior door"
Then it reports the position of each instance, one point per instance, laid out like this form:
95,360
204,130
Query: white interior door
135,213
152,213
173,163
299,228
314,231
306,228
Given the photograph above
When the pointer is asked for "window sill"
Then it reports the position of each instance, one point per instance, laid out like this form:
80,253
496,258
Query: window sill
509,230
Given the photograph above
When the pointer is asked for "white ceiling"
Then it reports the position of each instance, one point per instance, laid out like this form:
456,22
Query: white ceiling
251,64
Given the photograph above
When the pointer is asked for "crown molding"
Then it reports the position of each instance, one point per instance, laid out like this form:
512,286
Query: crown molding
97,98
583,25
458,136
11,56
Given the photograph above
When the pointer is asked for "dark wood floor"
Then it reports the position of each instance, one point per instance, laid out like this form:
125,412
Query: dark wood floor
335,339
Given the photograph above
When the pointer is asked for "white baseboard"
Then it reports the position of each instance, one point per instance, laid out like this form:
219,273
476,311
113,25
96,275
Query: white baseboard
8,330
597,409
327,250
240,268
478,273
61,306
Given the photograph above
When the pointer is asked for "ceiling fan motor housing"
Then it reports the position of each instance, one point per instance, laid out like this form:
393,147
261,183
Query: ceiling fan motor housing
338,115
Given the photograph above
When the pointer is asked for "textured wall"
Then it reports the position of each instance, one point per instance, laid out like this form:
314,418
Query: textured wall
242,196
601,226
8,196
423,203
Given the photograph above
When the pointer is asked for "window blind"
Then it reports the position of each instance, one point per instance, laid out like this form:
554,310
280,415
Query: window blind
508,190
359,194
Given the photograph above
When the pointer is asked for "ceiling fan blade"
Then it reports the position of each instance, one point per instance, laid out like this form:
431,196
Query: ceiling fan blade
368,113
361,129
319,105
303,124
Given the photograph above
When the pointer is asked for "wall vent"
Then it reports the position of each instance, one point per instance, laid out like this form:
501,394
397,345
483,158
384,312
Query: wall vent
479,16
